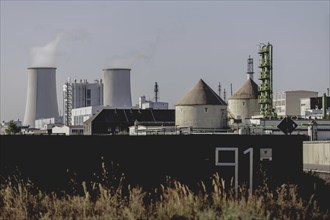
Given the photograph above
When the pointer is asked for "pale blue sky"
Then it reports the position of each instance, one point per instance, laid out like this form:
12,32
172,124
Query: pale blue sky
174,42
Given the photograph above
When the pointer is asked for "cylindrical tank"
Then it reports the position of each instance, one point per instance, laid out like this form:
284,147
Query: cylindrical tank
117,88
201,116
41,99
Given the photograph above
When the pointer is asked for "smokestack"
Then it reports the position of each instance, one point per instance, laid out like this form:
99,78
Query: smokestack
41,99
117,88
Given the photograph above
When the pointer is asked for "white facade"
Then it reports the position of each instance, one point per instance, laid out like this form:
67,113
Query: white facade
117,88
80,115
68,130
288,102
201,116
305,105
144,104
81,94
47,123
41,99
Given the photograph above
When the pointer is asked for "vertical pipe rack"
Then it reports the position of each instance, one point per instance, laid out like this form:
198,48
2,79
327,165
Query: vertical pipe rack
265,98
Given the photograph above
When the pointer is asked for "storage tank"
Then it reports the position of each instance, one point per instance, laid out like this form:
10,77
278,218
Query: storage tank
201,107
41,99
117,88
244,103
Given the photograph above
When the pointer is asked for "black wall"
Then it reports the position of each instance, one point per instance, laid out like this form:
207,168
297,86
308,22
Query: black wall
50,161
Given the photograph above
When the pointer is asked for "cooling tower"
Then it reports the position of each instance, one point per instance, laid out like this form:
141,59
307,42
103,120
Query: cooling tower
117,88
41,99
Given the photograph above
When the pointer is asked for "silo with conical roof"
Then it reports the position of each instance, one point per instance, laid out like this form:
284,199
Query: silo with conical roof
201,107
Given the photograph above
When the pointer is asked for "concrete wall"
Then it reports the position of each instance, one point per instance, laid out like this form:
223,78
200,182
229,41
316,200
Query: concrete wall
201,116
147,160
316,155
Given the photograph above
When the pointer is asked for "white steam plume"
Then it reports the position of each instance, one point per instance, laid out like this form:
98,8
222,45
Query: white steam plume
127,61
45,56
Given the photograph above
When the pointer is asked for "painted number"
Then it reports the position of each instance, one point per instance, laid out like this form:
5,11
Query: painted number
235,163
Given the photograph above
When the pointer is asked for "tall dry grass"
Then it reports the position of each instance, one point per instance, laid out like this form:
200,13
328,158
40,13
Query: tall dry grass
22,200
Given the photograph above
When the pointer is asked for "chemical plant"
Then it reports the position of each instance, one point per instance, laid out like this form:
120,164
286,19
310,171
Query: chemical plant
252,109
284,132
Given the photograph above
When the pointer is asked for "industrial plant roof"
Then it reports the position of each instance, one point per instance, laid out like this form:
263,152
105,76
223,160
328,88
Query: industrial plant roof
249,90
201,94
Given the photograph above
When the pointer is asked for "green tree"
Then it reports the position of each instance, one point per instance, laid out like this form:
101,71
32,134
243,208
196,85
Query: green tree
12,128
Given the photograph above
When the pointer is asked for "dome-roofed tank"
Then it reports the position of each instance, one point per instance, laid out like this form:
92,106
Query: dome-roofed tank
201,107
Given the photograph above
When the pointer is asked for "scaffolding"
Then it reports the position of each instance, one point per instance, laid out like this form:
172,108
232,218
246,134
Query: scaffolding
265,98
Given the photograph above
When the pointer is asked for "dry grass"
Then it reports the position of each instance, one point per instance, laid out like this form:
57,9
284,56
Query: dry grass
21,200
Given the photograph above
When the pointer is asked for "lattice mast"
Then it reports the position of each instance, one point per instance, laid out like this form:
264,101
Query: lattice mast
266,78
250,68
156,91
68,103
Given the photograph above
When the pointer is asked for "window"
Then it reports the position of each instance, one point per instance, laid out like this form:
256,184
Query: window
88,95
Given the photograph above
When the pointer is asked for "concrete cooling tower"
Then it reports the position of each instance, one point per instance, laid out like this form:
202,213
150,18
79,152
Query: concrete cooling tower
41,99
117,88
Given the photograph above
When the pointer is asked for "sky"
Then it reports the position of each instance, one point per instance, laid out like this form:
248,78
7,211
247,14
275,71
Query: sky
173,43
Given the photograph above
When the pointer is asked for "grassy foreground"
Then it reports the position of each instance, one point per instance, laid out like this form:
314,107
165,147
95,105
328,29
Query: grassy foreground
21,200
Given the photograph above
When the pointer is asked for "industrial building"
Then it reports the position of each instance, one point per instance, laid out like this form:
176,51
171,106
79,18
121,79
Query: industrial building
68,130
78,94
201,108
41,101
48,123
288,103
244,103
156,104
80,115
313,107
118,121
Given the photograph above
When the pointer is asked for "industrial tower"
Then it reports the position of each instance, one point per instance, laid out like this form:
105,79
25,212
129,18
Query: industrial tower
156,92
266,78
67,103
